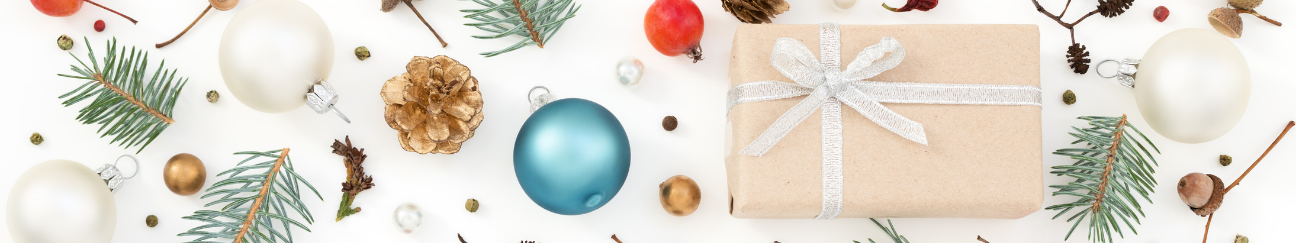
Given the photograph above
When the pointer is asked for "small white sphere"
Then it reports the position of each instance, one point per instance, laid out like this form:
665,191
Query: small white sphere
843,4
408,217
1193,85
272,52
630,71
61,201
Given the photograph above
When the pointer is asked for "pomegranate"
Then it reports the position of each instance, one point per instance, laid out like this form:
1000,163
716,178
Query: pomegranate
674,27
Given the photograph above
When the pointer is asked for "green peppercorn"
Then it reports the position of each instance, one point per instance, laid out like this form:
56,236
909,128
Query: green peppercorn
150,221
1068,97
37,139
212,96
362,53
64,42
472,205
1241,239
1226,160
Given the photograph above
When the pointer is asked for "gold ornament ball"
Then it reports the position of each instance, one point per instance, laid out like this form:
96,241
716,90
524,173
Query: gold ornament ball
680,195
184,174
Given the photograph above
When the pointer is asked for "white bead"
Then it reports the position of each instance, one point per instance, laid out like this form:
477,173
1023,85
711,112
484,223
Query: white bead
408,217
272,52
630,71
61,201
1193,85
843,4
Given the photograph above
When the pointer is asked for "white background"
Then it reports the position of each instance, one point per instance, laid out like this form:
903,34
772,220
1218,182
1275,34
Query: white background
579,63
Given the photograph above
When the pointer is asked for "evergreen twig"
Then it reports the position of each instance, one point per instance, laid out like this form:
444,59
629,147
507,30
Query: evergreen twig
356,181
1110,171
535,20
891,232
129,107
255,203
1290,124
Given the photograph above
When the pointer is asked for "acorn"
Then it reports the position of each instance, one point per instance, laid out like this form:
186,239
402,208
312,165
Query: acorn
1245,4
1202,192
1226,21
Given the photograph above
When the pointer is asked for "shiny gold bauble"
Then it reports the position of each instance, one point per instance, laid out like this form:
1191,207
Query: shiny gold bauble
680,195
184,174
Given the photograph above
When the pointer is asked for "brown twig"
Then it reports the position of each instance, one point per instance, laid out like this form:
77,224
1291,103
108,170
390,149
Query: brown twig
114,11
261,197
1058,18
1257,14
461,240
619,240
983,240
420,16
1248,171
535,36
131,99
1111,156
186,30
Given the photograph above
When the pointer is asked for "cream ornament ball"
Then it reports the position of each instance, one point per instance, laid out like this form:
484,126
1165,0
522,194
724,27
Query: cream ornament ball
272,52
1193,85
61,201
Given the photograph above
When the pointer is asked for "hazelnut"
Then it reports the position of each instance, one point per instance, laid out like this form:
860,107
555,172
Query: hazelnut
1195,189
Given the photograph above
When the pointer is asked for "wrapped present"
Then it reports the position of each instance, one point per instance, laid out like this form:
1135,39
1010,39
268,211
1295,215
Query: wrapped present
933,121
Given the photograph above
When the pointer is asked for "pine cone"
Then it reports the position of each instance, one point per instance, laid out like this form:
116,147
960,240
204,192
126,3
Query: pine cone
755,11
1079,58
1113,8
435,105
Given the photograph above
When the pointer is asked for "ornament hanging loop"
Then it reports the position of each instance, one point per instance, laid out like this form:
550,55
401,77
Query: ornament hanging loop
321,98
539,99
113,176
1125,70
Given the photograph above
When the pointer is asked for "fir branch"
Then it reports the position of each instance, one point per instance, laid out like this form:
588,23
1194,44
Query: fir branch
356,180
272,194
133,110
535,20
1109,171
891,232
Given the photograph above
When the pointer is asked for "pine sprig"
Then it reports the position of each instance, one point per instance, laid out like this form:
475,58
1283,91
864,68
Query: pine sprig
535,20
255,203
130,108
891,232
1108,174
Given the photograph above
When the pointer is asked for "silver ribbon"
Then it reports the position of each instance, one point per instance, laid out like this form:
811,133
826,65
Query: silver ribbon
827,86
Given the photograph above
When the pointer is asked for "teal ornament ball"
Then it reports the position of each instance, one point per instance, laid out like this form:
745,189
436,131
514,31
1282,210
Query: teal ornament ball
571,156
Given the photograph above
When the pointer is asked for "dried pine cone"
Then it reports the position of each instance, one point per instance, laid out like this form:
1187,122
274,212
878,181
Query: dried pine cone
755,11
1079,58
1113,8
436,105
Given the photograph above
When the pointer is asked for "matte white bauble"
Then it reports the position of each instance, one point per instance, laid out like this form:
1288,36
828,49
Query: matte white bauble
843,4
1193,85
272,52
61,201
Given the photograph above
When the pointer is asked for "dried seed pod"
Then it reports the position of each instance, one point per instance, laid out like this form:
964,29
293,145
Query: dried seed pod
1226,21
435,105
362,53
1241,239
1068,97
755,11
472,205
64,42
1226,160
670,123
1245,4
151,221
212,96
1202,192
37,139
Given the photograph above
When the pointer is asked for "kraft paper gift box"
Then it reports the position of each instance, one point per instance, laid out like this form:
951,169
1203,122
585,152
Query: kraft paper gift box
980,161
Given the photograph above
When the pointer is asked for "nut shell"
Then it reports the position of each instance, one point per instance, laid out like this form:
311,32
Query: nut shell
1245,4
435,105
680,195
223,5
1195,189
1226,21
184,174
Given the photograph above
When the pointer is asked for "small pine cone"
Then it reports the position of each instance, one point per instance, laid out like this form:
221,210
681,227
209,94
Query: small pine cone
1245,4
1079,58
755,11
435,106
1113,8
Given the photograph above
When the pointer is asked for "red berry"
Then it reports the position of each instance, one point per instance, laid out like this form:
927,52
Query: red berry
99,26
1161,13
674,27
58,8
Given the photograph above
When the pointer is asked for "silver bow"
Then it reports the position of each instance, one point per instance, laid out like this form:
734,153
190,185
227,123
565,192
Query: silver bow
827,86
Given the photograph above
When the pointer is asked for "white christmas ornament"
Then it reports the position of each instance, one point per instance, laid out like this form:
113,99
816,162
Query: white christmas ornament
276,55
63,201
1193,85
408,217
630,71
843,4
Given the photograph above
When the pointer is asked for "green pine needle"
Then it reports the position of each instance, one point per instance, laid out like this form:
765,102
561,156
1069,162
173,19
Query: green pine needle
271,222
536,24
131,109
1109,173
891,232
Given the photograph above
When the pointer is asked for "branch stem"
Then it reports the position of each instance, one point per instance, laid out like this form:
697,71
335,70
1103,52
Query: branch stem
535,36
1262,156
615,238
425,23
1258,15
186,30
114,11
1107,170
1208,221
265,188
102,81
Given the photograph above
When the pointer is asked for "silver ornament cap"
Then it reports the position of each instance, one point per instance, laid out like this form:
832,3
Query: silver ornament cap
321,98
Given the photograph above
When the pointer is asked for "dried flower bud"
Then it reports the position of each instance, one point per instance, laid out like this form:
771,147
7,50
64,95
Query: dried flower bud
37,139
64,42
1226,160
362,53
1068,97
151,221
1241,239
472,205
212,96
669,123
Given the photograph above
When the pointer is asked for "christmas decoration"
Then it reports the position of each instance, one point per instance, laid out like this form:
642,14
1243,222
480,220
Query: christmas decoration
843,4
1069,97
630,71
1192,188
471,205
56,197
535,20
184,174
571,155
911,5
99,25
1227,21
37,139
362,53
64,43
755,11
1076,54
151,221
408,217
891,232
222,5
64,8
255,203
356,181
271,76
130,108
389,5
1109,173
680,195
1192,85
435,105
1161,13
674,27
